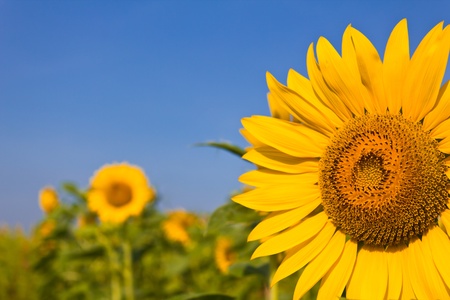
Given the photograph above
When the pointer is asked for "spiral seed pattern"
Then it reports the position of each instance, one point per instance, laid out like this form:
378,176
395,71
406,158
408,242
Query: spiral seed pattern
382,180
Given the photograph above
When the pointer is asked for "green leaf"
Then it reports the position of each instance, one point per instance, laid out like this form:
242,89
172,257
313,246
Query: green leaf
178,264
91,252
208,296
44,261
236,150
231,214
247,268
60,233
73,190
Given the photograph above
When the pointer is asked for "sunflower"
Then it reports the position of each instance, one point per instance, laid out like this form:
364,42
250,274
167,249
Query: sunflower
353,168
48,199
224,254
119,191
46,228
176,225
86,219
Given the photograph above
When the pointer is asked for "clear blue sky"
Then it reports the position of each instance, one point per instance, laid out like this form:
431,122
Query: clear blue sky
84,83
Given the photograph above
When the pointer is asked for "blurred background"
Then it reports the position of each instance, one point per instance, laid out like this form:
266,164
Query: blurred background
86,83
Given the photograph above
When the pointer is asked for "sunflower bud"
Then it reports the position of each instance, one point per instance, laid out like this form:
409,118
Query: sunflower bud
48,199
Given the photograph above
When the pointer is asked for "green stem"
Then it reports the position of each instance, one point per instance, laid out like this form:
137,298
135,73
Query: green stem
273,269
127,271
114,267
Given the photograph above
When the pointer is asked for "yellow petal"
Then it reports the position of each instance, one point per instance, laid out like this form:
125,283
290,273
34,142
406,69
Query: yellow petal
278,221
441,131
370,68
349,53
425,74
300,107
302,86
425,280
427,44
278,197
297,257
420,288
293,139
407,289
264,177
350,59
328,97
444,145
395,65
441,111
317,268
447,163
369,279
293,236
445,219
339,78
429,270
439,246
271,158
250,138
395,271
276,107
334,282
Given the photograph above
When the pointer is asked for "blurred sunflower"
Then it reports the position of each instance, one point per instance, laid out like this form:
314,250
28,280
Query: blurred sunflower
176,225
224,254
353,166
48,199
86,219
44,236
118,191
45,228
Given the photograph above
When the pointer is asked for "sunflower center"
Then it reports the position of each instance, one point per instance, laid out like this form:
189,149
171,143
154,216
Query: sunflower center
368,172
382,180
119,194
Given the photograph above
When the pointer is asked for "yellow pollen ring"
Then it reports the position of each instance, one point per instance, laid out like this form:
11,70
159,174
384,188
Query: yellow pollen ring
383,180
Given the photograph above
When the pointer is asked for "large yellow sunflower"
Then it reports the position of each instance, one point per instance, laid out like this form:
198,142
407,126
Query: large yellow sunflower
353,166
119,191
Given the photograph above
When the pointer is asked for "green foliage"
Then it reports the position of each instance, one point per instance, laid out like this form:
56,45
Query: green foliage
203,297
17,281
157,255
243,269
232,214
233,149
71,255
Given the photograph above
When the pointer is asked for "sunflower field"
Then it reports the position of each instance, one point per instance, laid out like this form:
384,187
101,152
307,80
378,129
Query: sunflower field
110,241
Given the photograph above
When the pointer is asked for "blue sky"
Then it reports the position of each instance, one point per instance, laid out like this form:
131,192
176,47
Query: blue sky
85,83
